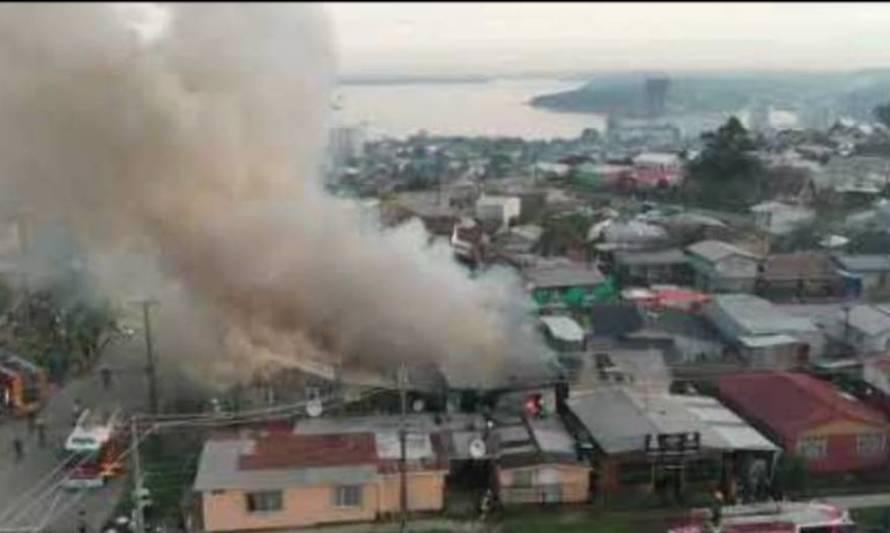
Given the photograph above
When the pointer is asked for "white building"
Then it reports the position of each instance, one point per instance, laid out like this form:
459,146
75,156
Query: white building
505,209
777,218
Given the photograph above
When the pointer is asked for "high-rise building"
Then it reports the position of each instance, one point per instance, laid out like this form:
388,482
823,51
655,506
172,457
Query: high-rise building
656,96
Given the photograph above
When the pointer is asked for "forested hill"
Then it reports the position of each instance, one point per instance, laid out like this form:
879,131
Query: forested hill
622,95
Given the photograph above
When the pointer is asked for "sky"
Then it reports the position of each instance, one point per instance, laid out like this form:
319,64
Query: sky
503,38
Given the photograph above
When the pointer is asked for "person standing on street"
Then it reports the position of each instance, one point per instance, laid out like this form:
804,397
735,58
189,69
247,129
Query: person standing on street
19,448
105,372
81,522
41,431
31,419
75,411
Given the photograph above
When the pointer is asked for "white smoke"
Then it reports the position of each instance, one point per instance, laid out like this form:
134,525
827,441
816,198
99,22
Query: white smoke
188,169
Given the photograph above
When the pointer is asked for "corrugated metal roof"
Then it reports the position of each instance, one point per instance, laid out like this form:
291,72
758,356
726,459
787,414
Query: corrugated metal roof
547,277
868,319
563,328
619,418
756,316
717,250
218,470
864,263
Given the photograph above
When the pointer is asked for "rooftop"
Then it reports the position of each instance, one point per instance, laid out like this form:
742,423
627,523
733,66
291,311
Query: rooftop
220,469
807,265
669,256
864,263
756,316
563,328
869,319
717,250
547,277
789,402
619,418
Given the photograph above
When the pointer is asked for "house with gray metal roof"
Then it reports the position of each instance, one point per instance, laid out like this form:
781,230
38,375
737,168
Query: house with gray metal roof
870,273
617,421
721,267
761,333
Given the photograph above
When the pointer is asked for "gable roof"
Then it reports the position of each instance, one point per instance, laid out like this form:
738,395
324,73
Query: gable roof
756,316
715,251
802,265
301,451
869,319
789,402
547,277
864,263
619,418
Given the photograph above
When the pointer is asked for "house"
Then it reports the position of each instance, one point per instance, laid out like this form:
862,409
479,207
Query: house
653,169
652,267
504,209
437,215
866,175
862,329
792,183
721,267
777,218
282,480
809,418
567,284
869,275
876,372
799,275
615,320
616,422
603,175
537,462
762,334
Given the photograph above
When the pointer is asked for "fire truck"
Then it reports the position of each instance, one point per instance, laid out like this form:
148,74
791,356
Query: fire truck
23,385
96,443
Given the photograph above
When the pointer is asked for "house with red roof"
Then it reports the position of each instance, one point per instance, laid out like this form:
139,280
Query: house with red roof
809,417
279,479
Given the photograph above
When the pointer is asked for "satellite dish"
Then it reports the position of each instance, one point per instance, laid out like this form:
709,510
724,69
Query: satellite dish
477,448
418,405
314,408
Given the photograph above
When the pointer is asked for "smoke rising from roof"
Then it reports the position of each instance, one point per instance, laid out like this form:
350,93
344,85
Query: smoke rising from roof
188,171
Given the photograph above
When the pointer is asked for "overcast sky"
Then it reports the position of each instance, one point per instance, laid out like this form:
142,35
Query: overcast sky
463,38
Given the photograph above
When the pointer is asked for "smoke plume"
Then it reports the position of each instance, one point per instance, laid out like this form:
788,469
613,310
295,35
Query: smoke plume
188,169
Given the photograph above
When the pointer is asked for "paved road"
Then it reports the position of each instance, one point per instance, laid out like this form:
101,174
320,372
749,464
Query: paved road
18,479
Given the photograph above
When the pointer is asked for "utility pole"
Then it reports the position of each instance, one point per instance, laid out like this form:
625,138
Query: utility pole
149,356
403,485
139,519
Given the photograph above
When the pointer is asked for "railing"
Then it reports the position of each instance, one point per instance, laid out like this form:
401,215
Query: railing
544,493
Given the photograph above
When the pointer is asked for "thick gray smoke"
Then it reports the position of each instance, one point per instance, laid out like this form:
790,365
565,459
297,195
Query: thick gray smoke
189,171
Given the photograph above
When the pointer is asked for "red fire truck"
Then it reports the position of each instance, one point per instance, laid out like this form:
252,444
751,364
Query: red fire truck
97,443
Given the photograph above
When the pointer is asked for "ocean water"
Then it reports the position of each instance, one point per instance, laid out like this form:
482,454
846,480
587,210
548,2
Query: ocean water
496,108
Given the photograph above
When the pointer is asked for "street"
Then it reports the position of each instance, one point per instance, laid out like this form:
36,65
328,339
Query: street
24,506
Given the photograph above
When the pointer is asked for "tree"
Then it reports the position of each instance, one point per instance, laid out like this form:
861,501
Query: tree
726,173
882,113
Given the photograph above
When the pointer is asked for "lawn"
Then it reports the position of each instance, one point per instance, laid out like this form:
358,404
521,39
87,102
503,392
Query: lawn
575,521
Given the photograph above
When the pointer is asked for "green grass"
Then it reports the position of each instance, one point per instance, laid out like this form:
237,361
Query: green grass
566,521
869,519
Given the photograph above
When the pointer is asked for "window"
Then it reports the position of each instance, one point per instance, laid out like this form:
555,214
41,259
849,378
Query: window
348,496
813,447
870,445
523,478
266,501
